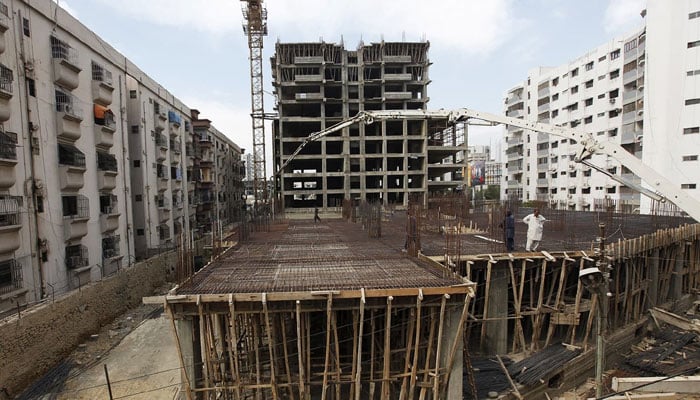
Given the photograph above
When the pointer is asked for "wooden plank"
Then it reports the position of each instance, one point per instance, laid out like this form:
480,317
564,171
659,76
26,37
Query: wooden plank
300,353
407,355
188,385
234,348
486,305
271,351
386,383
458,339
329,306
414,366
358,368
540,299
438,349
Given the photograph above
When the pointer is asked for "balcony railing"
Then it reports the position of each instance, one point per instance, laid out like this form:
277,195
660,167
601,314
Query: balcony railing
108,204
106,162
110,247
8,145
9,210
10,276
70,155
100,74
66,103
6,79
62,50
75,207
76,257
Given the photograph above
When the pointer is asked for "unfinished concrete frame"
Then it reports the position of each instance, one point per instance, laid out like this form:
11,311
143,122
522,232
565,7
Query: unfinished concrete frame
516,309
319,85
366,344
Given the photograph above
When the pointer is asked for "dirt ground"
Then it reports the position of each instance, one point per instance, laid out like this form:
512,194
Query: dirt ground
143,365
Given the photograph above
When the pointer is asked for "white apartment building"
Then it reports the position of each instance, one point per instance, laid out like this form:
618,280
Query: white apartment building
92,157
591,93
640,91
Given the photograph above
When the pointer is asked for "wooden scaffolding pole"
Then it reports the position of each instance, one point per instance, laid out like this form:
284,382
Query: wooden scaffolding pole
357,384
386,383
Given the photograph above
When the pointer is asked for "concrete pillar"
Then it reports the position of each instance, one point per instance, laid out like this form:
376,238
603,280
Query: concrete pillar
496,340
677,276
653,292
185,331
451,329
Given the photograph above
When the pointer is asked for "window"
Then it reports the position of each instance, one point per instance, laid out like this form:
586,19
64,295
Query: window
574,72
688,186
31,87
137,163
694,15
612,132
695,72
601,59
691,102
585,190
615,54
138,197
555,81
614,93
139,232
40,204
589,66
588,120
132,94
693,157
612,190
574,89
614,74
601,77
75,206
134,129
25,27
572,107
693,44
588,102
555,113
631,45
589,84
70,155
614,113
555,96
601,96
688,131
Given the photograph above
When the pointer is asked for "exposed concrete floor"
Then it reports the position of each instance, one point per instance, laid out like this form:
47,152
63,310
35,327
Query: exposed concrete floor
144,365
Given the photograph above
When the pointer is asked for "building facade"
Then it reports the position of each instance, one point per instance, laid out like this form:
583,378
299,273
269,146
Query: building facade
92,154
639,91
320,84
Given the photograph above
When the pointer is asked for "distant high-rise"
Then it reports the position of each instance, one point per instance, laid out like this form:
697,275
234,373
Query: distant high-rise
320,84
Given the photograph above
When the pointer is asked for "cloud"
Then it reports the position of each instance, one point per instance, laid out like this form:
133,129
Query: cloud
622,14
472,26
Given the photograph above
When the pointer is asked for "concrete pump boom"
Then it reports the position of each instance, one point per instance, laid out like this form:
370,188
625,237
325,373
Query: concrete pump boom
662,188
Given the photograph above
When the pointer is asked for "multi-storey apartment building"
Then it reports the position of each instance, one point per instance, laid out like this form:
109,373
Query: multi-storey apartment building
598,93
320,84
92,154
613,92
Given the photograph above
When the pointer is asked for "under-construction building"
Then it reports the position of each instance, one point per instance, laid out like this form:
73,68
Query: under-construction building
318,85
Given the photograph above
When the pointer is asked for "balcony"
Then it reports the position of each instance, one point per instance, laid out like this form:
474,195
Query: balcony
8,159
102,86
396,59
163,215
72,167
110,248
65,64
4,26
163,232
515,113
11,269
629,76
10,224
175,121
6,81
76,257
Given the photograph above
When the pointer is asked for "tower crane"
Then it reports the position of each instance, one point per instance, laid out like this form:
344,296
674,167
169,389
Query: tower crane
255,27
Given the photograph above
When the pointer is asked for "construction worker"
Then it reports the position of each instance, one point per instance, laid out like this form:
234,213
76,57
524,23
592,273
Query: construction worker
535,227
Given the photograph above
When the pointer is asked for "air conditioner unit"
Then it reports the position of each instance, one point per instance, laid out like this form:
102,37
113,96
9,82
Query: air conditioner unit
640,112
67,108
612,101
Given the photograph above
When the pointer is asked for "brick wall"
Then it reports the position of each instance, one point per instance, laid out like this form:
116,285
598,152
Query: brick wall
46,334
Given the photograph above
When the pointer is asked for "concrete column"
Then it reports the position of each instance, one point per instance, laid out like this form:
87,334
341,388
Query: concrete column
677,277
451,329
653,291
496,341
185,331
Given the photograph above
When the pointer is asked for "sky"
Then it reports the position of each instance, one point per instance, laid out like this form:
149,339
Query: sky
479,49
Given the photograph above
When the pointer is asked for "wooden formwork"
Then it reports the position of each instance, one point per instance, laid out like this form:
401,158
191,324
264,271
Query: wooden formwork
367,344
542,300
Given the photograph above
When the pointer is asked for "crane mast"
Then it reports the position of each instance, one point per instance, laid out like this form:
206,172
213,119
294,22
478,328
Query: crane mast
255,27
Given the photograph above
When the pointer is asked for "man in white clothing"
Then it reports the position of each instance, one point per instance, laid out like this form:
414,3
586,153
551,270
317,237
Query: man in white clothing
535,226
